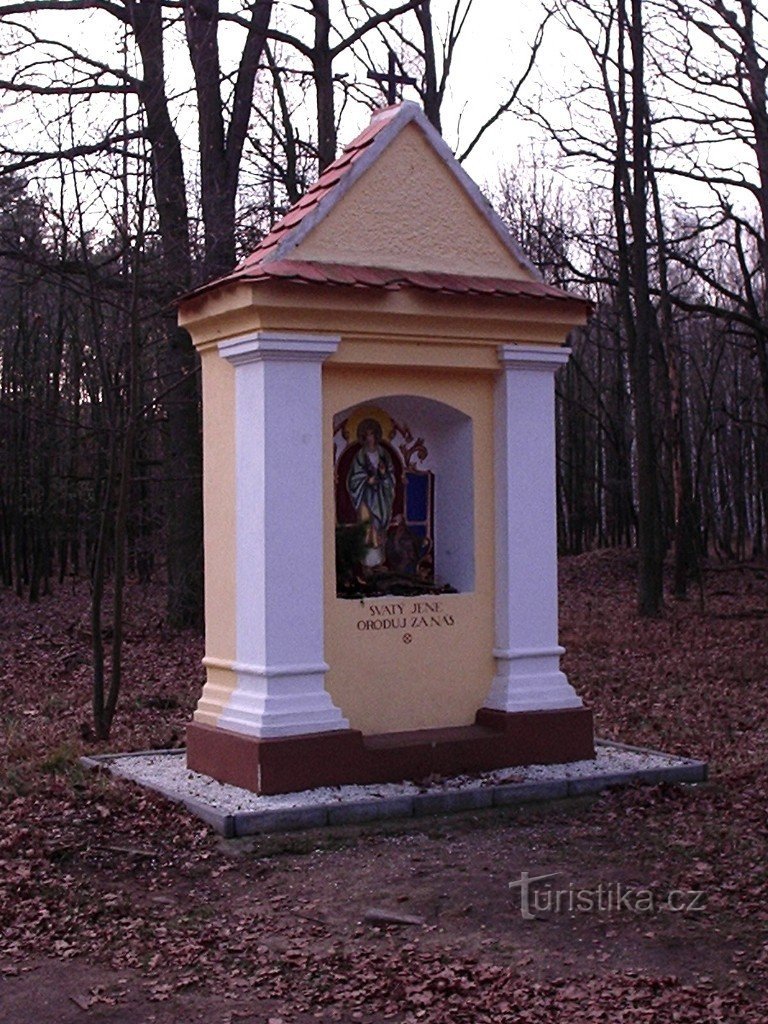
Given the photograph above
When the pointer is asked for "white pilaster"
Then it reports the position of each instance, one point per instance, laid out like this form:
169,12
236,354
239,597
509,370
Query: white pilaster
527,653
279,664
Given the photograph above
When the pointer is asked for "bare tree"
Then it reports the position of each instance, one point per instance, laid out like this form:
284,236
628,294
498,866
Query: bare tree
720,59
221,141
430,54
614,36
323,52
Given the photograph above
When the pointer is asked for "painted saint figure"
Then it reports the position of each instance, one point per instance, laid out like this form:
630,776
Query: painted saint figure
371,486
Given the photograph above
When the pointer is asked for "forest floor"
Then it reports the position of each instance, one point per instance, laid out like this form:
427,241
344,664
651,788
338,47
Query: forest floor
116,906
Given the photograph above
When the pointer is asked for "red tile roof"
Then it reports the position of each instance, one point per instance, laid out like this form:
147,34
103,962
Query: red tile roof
306,272
265,263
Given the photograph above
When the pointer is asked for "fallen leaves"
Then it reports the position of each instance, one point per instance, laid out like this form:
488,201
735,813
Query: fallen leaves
98,870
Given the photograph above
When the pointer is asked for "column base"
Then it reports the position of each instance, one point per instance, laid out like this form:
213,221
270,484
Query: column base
529,679
288,764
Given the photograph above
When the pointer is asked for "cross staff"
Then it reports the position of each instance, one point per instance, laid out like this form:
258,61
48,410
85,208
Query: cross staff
392,79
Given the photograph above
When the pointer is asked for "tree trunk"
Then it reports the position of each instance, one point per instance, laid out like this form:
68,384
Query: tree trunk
322,67
431,97
651,548
184,505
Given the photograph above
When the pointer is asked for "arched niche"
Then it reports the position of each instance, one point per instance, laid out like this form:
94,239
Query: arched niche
427,446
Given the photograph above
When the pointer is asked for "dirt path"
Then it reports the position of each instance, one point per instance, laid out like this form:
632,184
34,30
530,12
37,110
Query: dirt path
275,927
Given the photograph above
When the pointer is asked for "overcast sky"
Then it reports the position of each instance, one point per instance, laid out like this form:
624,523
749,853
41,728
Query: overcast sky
492,53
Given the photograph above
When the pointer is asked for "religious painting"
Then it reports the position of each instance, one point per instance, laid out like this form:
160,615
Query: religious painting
384,508
370,483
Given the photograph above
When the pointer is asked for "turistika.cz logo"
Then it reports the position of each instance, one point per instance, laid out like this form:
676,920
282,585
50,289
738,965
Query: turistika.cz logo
537,898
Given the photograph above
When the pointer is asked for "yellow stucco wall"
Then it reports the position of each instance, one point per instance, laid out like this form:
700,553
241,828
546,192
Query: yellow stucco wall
408,211
441,676
370,315
219,530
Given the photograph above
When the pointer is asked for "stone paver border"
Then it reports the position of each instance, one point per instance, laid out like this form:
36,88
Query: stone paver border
466,797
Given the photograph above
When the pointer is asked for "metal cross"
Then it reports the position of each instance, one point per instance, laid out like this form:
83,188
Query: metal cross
392,79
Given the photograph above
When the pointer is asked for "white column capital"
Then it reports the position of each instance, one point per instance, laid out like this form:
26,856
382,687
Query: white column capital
290,346
532,357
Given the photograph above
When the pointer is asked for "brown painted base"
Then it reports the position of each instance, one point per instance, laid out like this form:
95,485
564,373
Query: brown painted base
288,764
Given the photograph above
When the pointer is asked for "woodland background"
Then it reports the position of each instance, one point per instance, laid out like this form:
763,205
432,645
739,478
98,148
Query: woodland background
147,144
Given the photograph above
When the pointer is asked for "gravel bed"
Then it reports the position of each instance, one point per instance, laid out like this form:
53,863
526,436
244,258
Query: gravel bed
167,772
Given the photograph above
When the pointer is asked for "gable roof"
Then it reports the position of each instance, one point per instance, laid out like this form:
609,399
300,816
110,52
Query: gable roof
279,255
